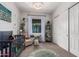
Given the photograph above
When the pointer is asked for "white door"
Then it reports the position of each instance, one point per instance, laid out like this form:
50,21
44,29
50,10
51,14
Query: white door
74,30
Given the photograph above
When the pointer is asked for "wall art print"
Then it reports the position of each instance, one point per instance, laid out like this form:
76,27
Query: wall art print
5,14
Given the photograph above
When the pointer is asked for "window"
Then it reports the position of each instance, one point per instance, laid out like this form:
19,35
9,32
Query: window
36,25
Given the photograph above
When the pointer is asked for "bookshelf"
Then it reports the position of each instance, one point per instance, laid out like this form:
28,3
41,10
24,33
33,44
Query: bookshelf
48,32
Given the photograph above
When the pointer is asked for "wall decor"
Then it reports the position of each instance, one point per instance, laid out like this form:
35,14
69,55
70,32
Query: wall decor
5,14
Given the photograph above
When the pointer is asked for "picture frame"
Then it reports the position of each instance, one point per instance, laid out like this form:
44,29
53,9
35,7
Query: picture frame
5,14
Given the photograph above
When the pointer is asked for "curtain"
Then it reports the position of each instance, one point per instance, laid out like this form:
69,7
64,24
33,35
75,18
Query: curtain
29,25
43,28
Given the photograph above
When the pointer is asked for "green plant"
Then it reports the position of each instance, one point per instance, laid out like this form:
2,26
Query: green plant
22,25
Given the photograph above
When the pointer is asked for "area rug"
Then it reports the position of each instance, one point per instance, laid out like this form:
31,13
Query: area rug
43,53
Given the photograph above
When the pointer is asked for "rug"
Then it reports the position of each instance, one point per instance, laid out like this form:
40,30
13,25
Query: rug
43,53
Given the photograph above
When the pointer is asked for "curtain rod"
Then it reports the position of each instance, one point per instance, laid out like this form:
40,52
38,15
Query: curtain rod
36,15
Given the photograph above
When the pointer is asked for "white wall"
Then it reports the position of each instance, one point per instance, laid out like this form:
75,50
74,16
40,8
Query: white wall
60,25
60,30
14,25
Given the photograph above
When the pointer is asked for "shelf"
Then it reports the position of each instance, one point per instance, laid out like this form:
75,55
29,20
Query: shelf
48,32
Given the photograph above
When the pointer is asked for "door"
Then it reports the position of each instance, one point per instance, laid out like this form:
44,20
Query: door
74,29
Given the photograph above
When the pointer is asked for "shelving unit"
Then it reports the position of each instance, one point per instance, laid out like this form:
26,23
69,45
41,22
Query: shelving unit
48,32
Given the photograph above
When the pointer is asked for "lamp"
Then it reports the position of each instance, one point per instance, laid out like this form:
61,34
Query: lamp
38,5
20,30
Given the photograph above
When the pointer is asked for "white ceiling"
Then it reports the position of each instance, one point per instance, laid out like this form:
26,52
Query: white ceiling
48,7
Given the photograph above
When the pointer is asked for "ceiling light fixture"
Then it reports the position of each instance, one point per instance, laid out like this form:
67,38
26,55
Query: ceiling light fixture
38,5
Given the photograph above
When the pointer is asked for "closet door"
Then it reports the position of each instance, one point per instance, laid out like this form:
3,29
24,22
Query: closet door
74,30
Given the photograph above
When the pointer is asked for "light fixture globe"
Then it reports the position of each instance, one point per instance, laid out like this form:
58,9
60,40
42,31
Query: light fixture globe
37,5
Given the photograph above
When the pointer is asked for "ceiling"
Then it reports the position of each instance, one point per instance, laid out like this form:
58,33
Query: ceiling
48,7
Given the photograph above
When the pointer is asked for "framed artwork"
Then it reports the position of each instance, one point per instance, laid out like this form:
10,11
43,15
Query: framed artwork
5,14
